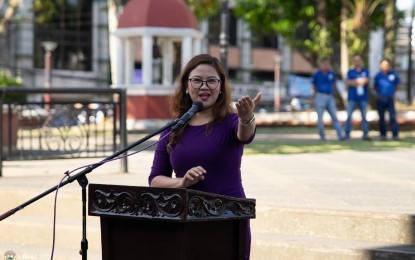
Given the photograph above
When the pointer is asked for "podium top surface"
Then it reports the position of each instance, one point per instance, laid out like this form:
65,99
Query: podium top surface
180,205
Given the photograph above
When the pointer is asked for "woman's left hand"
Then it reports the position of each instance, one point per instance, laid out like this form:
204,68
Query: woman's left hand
245,106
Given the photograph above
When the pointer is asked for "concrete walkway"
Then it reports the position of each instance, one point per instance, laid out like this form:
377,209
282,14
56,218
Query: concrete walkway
347,181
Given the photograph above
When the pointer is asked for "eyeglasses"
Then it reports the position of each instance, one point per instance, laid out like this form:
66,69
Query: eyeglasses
210,83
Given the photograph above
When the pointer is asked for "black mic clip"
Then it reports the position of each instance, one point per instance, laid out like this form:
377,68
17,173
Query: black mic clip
196,107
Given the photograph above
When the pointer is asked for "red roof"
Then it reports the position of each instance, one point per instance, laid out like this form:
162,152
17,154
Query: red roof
157,13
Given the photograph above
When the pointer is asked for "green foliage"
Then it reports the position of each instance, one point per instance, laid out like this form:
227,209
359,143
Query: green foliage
7,82
365,15
204,8
46,10
297,22
392,17
278,147
275,144
56,13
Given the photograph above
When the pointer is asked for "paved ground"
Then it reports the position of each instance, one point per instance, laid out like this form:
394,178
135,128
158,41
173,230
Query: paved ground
346,180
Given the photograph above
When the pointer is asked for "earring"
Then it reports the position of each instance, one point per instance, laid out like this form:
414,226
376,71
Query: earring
220,92
187,91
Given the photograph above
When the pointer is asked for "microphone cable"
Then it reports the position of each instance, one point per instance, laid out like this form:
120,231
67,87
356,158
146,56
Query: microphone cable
67,174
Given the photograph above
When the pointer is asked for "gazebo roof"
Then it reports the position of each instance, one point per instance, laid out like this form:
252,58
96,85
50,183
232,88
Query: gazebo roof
157,13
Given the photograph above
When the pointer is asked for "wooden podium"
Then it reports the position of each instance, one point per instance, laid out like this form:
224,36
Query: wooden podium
166,224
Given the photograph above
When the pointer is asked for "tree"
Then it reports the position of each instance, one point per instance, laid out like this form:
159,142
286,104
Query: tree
10,8
203,8
47,11
344,50
309,27
323,35
366,15
390,30
305,28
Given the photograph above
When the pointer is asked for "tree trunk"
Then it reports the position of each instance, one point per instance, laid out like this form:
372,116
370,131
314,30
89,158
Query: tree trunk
8,14
359,36
324,43
362,44
344,51
323,34
390,30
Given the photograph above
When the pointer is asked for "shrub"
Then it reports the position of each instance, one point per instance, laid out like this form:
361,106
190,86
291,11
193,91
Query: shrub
9,82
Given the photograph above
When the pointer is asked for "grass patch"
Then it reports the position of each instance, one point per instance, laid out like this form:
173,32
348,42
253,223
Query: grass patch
316,146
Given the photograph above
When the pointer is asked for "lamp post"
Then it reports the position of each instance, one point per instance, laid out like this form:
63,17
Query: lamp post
277,80
223,37
49,47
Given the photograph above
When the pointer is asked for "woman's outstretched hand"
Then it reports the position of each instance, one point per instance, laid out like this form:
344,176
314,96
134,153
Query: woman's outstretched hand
245,106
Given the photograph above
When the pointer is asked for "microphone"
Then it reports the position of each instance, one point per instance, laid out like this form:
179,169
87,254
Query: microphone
196,107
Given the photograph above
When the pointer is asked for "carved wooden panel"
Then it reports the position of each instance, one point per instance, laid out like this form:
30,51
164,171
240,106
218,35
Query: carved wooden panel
167,204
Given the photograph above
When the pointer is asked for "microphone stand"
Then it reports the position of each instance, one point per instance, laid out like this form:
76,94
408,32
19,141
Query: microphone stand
83,182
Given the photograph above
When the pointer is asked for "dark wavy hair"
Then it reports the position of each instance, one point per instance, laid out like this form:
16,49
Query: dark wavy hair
180,102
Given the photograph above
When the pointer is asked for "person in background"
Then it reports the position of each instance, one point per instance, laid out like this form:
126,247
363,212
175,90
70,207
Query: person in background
323,82
205,154
357,96
386,83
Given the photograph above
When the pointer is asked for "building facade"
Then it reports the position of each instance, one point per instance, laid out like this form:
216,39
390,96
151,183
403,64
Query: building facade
82,56
80,31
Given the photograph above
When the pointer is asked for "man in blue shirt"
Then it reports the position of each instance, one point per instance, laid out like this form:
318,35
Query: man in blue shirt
323,81
357,95
386,83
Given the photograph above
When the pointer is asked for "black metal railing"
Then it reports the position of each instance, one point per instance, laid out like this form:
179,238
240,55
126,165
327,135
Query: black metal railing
71,128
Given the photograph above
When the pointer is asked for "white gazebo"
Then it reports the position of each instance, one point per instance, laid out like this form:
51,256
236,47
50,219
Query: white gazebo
147,31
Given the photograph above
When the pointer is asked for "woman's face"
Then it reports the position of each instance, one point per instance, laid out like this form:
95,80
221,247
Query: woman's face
209,91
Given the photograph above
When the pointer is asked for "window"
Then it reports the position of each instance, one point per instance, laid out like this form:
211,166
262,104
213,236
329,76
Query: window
214,28
264,40
69,24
